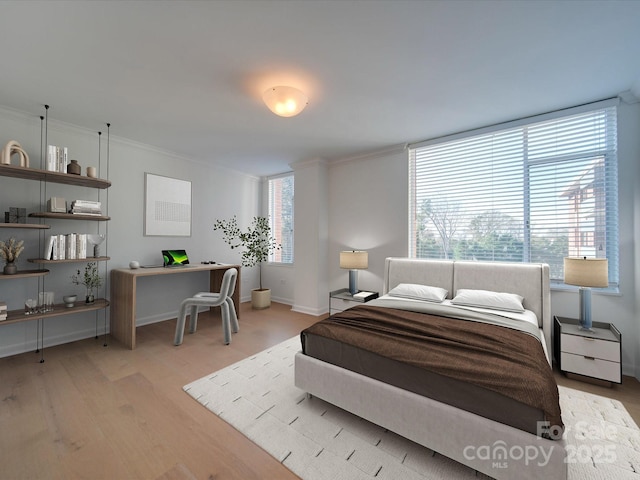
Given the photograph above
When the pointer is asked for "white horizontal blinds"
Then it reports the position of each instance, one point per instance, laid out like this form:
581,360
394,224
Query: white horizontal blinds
506,194
459,187
281,190
572,163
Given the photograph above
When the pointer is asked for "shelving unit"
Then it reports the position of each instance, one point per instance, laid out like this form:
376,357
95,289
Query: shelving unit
47,177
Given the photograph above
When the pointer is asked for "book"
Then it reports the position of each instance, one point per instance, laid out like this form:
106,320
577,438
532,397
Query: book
364,296
62,247
70,246
86,203
47,254
81,245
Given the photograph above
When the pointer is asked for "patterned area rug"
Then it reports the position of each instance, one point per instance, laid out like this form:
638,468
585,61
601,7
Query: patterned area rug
318,441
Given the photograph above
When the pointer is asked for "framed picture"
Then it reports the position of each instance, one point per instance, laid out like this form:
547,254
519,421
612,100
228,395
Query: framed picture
167,206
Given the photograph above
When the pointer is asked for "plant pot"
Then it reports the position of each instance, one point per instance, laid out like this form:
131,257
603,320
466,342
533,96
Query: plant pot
10,269
90,298
260,298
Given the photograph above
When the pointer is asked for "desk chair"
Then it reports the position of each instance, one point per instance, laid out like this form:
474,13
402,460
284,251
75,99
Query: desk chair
211,299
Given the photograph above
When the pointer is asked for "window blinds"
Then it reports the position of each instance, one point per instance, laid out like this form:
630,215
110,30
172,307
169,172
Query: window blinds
534,190
281,190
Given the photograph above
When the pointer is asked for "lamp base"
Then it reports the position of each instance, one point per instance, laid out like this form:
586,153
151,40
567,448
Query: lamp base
584,294
353,281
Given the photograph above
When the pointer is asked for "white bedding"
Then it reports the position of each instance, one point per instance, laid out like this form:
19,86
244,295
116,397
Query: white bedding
526,321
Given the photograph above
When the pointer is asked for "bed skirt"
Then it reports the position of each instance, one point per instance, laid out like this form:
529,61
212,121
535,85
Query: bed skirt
492,448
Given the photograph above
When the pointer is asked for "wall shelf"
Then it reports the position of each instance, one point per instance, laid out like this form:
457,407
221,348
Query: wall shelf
24,274
59,309
70,216
70,260
25,225
53,177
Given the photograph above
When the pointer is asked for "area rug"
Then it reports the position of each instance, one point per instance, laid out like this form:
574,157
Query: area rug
318,441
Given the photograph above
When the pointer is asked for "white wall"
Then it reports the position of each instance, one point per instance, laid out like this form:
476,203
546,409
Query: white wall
311,235
216,193
368,209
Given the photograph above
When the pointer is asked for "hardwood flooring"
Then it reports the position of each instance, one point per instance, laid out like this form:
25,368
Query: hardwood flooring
101,412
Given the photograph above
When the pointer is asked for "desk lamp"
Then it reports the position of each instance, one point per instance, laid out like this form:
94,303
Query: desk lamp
354,260
586,273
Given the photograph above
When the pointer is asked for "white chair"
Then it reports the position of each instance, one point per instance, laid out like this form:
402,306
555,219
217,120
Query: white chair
211,299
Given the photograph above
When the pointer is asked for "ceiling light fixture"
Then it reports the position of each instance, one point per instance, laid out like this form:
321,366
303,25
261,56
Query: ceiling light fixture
285,101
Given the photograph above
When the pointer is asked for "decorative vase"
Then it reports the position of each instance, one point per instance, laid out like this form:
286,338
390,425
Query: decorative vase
69,300
74,168
90,298
10,269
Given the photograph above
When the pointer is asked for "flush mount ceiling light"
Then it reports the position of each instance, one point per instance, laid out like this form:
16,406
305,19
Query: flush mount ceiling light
285,101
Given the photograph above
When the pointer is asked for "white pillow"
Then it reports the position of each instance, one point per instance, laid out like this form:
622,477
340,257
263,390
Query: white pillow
509,302
415,291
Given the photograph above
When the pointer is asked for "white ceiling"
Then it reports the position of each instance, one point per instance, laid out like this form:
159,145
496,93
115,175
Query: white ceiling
187,76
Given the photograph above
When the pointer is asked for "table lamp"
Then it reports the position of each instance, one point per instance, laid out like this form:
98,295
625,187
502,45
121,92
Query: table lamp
354,260
586,273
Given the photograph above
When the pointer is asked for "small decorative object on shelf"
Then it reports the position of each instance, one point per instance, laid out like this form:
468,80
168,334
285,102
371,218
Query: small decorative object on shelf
45,302
30,306
16,215
91,279
9,149
10,251
74,168
69,300
95,240
91,172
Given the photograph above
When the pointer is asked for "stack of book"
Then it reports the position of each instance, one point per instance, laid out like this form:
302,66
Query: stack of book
57,159
3,311
85,207
68,246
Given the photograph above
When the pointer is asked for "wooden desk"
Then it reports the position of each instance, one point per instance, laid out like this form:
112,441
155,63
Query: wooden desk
123,294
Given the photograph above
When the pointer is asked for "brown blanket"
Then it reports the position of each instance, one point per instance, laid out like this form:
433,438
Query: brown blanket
497,358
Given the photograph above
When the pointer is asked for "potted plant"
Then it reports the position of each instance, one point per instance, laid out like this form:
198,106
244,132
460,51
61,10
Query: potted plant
256,244
90,278
10,251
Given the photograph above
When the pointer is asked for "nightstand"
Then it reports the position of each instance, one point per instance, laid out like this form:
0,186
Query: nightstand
340,300
596,354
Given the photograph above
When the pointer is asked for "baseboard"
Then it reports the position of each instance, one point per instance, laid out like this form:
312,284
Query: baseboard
31,346
316,312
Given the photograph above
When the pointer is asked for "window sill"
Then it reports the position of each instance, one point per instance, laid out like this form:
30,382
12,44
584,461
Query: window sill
562,287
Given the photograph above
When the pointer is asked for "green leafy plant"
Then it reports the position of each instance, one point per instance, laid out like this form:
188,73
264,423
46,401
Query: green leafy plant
256,242
90,278
11,249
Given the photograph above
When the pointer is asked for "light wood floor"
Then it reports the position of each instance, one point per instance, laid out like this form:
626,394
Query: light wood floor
111,413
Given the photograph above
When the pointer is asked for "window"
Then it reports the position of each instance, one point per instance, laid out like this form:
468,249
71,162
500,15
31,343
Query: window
281,217
534,190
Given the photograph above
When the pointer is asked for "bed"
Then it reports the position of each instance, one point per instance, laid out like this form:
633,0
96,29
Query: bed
468,422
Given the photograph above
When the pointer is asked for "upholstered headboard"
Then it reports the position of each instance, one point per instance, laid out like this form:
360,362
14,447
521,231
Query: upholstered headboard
530,280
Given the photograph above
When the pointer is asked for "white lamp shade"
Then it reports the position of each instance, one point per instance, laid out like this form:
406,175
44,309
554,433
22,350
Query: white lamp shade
586,272
285,101
354,259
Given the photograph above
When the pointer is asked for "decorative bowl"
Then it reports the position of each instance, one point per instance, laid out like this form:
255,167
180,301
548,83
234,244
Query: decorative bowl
69,300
